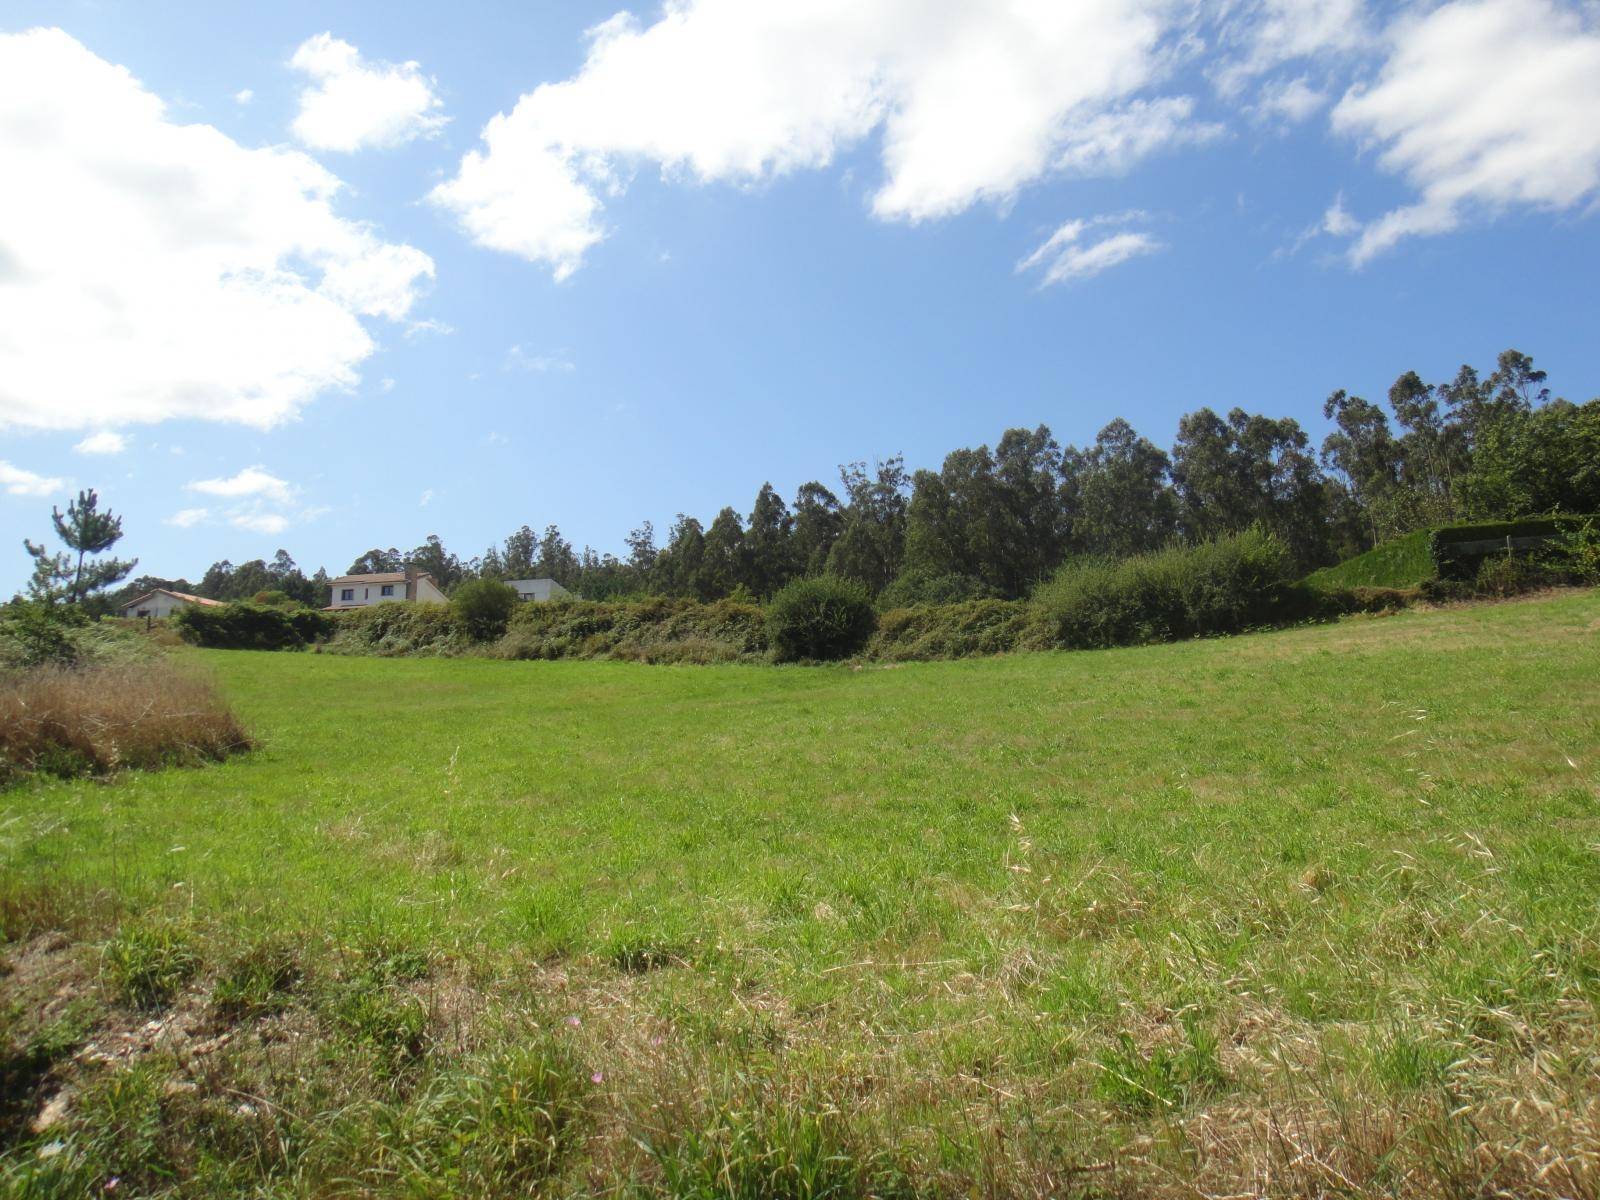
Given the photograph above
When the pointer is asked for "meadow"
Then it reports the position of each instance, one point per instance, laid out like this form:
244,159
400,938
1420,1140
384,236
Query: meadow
1309,912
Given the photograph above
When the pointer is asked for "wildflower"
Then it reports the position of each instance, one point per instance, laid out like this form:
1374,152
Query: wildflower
574,1021
597,1077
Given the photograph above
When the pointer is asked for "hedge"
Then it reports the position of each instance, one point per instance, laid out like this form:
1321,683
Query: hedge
1458,550
244,626
658,629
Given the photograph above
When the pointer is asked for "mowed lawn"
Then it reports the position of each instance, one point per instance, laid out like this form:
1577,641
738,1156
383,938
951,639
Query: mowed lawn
1305,911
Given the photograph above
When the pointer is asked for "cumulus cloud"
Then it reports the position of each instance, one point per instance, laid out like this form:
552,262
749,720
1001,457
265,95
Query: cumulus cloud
260,522
18,482
1066,255
107,441
1288,101
1482,106
155,270
353,103
972,102
186,518
252,481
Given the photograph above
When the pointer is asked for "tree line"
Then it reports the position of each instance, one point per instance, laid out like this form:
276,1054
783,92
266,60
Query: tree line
994,521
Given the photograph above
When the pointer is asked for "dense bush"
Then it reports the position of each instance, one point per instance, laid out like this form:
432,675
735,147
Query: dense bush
94,720
822,618
1459,550
656,630
932,631
1222,586
397,628
251,626
483,607
918,587
33,634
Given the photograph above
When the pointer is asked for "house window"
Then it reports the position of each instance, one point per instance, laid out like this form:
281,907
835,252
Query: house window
347,593
388,589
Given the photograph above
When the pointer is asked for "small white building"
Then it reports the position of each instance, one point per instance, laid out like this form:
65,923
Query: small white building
161,603
538,590
357,591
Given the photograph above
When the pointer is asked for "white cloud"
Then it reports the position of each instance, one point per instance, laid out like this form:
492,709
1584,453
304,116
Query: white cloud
1256,37
1482,106
973,101
105,442
427,495
252,481
18,482
260,522
354,103
186,518
1289,101
154,270
1338,221
518,359
386,385
243,96
1065,255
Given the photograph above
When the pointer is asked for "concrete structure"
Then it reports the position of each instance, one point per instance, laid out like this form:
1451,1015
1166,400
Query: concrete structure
161,603
538,590
357,591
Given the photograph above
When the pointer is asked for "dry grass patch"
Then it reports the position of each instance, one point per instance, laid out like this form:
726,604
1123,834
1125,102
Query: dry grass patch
98,720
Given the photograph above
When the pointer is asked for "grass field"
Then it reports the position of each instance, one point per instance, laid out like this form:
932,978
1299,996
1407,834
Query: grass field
1308,912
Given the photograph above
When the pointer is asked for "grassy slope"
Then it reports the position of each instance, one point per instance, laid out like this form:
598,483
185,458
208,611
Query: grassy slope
1401,563
1360,857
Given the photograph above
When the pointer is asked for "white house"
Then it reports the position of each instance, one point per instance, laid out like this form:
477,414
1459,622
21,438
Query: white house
161,603
357,591
538,589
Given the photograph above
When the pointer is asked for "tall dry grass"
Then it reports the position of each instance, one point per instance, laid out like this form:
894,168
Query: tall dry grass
104,718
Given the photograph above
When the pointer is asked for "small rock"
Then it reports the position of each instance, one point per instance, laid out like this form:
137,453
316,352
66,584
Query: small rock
52,1114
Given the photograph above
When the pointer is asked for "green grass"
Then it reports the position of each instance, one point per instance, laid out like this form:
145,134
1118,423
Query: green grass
1404,562
1306,906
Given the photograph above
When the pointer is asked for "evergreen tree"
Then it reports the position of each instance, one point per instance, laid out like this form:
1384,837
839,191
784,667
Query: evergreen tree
87,532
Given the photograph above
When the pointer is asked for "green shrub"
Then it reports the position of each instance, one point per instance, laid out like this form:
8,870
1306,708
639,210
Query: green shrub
953,630
242,626
657,629
1223,586
395,628
484,607
1578,550
914,588
1459,550
821,618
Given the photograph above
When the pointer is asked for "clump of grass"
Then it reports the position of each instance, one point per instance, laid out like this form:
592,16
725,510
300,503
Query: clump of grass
100,719
1166,1078
771,1152
146,965
258,981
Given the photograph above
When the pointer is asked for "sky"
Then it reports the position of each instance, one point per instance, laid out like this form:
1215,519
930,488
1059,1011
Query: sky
326,277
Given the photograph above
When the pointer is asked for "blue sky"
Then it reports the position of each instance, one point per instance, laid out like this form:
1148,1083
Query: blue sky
738,242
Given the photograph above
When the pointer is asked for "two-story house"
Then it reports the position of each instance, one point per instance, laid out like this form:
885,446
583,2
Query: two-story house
357,591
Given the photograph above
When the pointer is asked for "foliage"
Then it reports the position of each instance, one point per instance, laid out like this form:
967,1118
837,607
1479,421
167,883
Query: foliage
1578,548
955,630
655,630
915,587
1457,550
397,628
821,618
89,532
1401,563
243,626
483,608
100,719
1222,586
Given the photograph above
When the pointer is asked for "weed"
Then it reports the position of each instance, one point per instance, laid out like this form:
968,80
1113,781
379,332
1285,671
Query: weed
147,964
